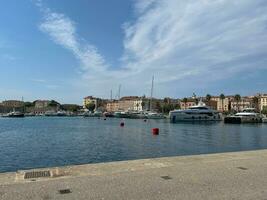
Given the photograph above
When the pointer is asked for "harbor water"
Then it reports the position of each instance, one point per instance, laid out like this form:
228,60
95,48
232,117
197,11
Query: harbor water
36,142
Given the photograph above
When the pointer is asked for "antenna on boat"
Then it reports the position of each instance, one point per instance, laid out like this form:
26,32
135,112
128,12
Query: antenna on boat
151,96
111,95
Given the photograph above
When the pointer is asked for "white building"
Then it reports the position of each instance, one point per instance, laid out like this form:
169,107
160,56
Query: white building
141,104
262,100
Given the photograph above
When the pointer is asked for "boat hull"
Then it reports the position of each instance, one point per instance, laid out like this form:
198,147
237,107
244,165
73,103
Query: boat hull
14,116
181,117
239,120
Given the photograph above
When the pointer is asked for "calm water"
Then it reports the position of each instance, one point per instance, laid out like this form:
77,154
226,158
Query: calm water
44,142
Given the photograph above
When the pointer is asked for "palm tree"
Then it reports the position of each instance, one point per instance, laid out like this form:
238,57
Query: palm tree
255,102
208,97
185,100
222,97
237,99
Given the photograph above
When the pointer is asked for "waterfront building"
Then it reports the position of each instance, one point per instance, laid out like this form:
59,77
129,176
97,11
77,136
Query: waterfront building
41,104
187,102
262,101
222,104
10,105
13,103
244,102
128,103
141,104
89,100
212,104
112,106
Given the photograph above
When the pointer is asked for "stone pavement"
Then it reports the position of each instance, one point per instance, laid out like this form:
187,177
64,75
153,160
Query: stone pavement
240,175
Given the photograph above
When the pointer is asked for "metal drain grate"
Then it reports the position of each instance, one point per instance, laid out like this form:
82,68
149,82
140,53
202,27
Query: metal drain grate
64,191
37,174
243,168
166,177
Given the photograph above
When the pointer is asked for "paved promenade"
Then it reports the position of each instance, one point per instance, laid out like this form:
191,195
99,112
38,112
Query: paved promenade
240,175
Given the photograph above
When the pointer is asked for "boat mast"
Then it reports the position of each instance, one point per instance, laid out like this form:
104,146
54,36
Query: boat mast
119,94
151,96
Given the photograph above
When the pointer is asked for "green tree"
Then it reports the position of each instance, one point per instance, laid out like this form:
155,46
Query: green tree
208,97
70,107
255,102
177,106
90,107
264,110
53,103
237,98
28,104
158,106
222,97
185,100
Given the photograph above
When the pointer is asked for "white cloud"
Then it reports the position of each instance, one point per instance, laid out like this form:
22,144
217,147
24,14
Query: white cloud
181,42
63,31
38,80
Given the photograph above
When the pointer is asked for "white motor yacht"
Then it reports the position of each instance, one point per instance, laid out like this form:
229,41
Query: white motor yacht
197,113
248,115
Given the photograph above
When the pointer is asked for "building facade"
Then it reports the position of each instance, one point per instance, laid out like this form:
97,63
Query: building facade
186,104
13,103
223,105
262,101
129,103
112,106
89,100
245,102
39,104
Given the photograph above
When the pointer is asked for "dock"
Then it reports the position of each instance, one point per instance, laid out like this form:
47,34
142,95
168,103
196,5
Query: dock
238,175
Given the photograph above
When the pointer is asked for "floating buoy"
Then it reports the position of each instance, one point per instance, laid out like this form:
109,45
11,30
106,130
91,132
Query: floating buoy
155,131
144,120
122,124
105,119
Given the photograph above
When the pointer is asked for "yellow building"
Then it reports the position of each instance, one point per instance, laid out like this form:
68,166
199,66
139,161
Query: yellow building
89,100
222,104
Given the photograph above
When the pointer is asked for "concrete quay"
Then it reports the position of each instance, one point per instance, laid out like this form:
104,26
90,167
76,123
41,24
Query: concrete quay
239,175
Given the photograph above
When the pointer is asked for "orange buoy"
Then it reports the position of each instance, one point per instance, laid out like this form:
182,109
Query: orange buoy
155,131
122,124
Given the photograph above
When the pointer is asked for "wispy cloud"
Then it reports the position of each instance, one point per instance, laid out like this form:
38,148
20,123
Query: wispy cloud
182,42
62,31
38,80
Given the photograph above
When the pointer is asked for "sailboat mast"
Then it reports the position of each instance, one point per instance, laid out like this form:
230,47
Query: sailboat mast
119,95
151,96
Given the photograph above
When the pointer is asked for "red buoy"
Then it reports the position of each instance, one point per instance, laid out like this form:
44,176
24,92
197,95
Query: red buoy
155,131
122,124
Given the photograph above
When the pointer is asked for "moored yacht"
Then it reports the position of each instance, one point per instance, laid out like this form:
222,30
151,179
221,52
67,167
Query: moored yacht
197,113
154,115
248,115
14,114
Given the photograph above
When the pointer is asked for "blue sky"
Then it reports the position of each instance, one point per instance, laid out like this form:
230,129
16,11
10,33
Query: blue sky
66,50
